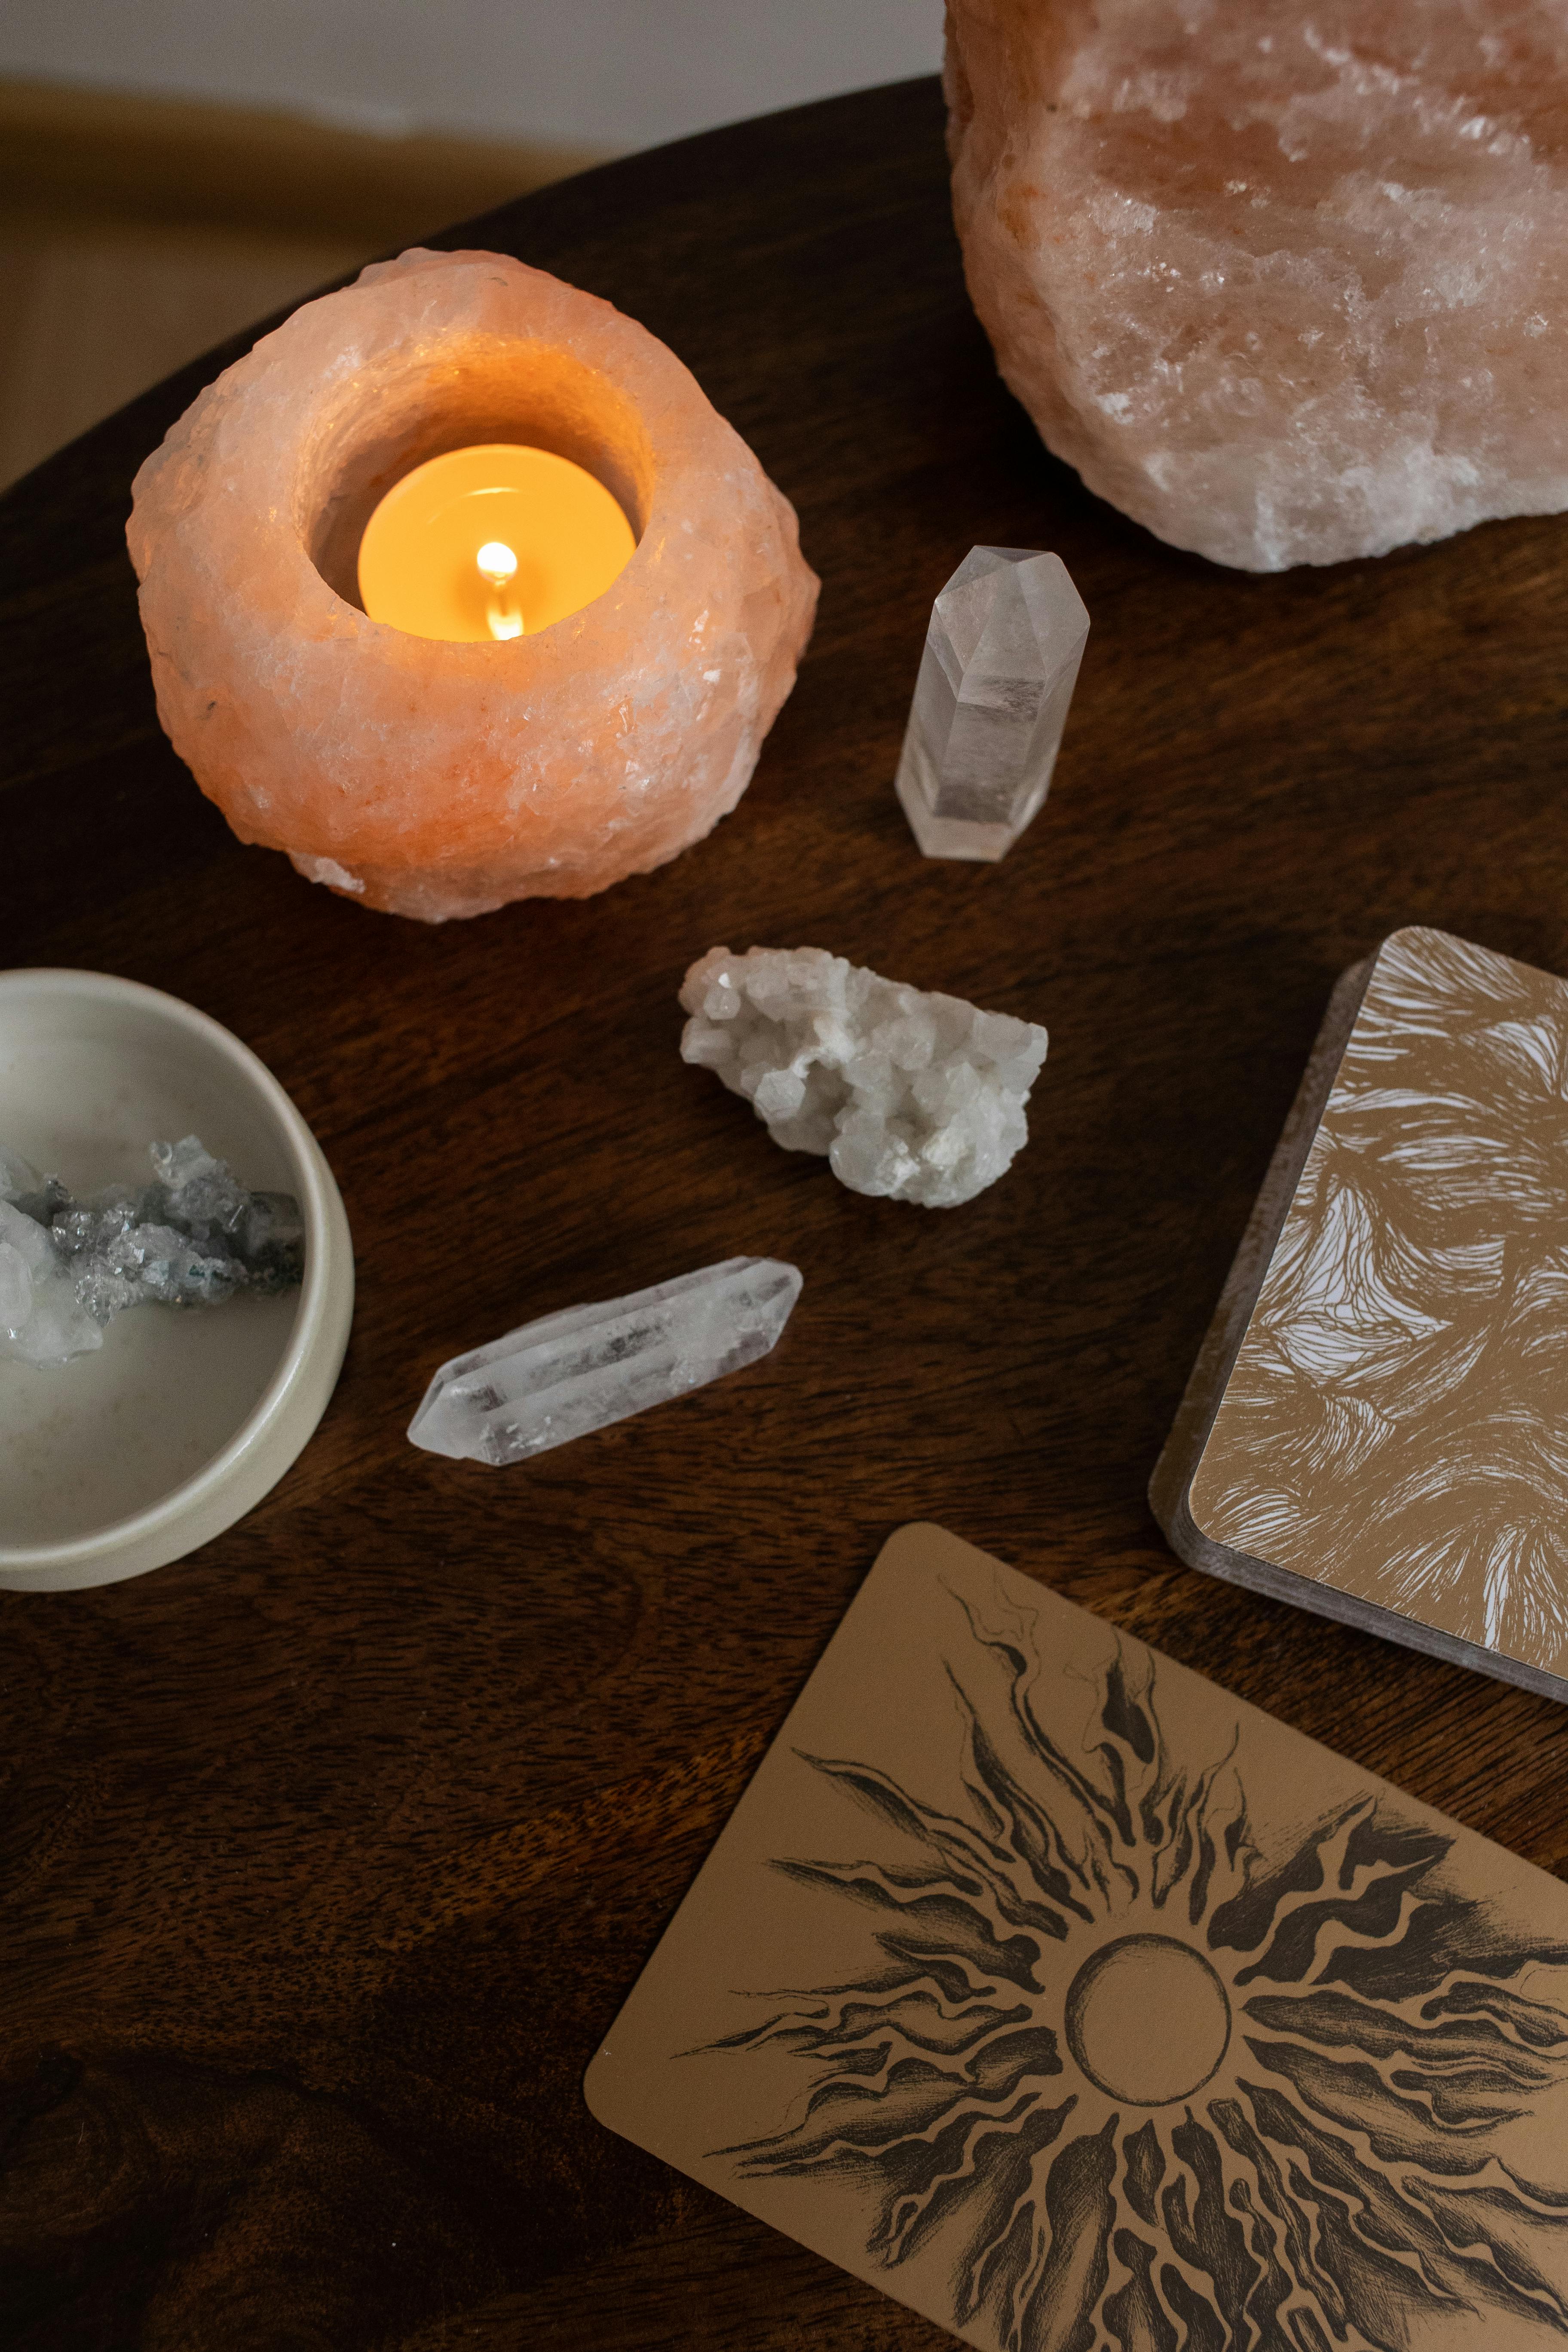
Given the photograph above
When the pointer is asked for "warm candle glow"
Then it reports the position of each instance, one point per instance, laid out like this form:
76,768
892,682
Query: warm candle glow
434,561
438,781
497,565
497,561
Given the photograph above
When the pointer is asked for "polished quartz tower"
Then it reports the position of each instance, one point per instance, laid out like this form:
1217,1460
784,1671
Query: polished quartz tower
997,675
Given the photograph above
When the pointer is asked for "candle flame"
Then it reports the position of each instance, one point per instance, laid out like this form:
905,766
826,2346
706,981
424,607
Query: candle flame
497,562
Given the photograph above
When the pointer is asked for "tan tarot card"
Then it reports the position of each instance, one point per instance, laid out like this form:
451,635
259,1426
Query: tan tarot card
1377,1427
1080,2005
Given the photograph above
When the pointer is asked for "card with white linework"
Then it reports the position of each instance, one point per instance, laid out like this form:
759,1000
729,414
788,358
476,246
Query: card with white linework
1377,1425
1077,2004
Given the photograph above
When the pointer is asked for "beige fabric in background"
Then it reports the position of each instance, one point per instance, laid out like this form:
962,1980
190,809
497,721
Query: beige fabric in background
136,232
95,312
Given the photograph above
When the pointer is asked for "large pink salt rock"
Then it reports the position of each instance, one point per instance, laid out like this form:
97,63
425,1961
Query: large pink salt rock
1285,283
434,779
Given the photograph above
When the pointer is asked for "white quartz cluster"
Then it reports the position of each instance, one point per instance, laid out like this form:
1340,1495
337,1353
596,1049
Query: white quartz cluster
192,1237
569,1373
912,1096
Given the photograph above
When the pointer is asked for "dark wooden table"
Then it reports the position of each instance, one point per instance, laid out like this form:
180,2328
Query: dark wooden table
327,1855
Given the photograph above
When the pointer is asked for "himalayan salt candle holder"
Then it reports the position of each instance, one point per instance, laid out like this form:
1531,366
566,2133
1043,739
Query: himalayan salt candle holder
435,778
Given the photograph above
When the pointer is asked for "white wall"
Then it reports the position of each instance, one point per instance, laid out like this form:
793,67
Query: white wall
607,73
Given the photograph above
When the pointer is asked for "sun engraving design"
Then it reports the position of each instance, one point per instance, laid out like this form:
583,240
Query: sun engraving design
1262,2114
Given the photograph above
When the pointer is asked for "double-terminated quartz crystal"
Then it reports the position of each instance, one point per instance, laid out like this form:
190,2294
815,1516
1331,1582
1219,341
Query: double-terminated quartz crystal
588,1366
194,1237
1000,664
911,1095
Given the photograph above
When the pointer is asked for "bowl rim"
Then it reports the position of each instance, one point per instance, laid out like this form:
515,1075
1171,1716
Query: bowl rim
315,1189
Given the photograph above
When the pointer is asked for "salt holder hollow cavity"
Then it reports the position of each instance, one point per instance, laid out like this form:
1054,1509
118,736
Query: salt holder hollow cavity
439,779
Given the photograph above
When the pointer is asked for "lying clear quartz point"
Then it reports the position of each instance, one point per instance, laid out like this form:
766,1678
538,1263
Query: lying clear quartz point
191,1238
588,1366
997,676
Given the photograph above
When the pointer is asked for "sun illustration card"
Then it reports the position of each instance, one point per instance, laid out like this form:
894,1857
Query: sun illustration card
1377,1427
1086,2008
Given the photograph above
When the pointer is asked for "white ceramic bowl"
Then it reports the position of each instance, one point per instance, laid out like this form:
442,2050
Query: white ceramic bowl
127,1458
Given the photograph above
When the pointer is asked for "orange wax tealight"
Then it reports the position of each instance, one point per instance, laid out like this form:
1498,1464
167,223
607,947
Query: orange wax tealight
494,541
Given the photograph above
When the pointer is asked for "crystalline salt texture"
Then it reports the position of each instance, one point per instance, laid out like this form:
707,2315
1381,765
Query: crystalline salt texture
579,1370
911,1095
1287,284
42,1321
192,1238
18,1175
438,781
1000,664
15,1289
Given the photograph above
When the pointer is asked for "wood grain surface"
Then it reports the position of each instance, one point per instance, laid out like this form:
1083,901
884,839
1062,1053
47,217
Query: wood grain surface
327,1853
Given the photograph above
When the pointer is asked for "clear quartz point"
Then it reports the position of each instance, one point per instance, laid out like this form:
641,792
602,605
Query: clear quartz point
588,1366
997,676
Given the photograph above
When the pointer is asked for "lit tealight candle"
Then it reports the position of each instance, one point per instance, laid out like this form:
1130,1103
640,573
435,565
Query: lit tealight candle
493,541
497,565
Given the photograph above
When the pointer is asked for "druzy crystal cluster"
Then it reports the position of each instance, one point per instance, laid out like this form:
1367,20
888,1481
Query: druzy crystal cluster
912,1096
997,676
569,1373
192,1238
1285,284
439,780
